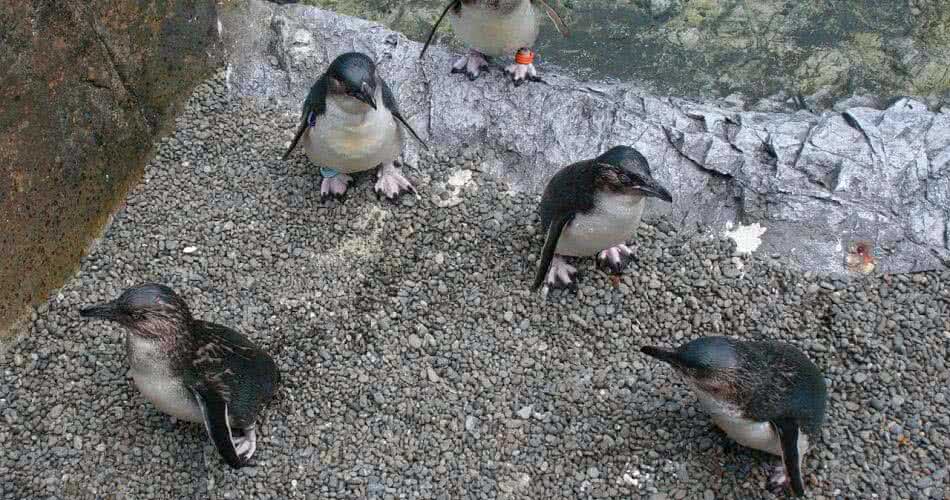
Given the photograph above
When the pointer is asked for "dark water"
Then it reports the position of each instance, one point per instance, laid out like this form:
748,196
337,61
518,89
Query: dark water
719,47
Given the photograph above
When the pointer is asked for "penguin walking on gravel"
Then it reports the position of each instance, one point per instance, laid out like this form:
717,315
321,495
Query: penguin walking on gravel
350,123
594,207
194,370
764,395
494,28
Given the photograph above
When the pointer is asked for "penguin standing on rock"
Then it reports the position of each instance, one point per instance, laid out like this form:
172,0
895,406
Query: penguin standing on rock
594,207
350,123
194,370
764,395
495,28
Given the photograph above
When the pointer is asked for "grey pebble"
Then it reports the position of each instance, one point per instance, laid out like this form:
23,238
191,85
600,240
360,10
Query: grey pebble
525,412
410,346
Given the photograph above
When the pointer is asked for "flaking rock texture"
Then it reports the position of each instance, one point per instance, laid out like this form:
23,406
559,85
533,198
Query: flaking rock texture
824,189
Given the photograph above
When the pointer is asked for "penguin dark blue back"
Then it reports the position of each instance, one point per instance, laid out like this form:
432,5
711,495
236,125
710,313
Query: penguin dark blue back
765,395
594,207
351,123
194,370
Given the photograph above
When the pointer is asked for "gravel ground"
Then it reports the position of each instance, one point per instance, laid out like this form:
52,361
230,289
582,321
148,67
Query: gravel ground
416,363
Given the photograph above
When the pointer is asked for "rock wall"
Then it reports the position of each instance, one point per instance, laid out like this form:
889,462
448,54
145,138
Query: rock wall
86,88
861,186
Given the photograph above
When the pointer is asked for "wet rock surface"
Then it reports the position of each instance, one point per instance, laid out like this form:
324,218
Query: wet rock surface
859,184
827,50
416,363
87,87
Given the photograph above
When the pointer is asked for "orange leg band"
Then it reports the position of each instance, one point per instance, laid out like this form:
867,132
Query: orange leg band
524,56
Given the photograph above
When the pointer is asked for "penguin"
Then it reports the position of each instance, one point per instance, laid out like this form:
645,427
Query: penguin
593,207
495,28
765,395
349,124
194,370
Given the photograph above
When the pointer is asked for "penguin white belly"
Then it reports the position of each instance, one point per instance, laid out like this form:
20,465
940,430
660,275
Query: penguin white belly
613,221
749,433
495,33
156,383
349,142
168,395
756,435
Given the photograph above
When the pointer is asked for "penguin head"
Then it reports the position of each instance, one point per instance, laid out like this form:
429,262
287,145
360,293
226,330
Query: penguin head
353,75
623,169
712,364
151,309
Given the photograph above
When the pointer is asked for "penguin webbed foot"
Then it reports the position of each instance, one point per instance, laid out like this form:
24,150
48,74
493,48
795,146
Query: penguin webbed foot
391,184
246,445
523,68
560,274
334,187
779,481
472,64
615,258
521,73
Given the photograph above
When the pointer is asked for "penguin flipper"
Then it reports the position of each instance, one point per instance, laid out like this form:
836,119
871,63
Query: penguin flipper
406,124
215,411
788,432
555,18
550,244
389,100
300,131
451,4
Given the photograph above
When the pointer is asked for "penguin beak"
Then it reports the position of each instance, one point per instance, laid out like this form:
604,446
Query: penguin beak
662,355
655,190
103,311
366,94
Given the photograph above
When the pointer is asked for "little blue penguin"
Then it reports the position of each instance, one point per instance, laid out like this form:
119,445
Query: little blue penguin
764,394
593,207
349,124
194,370
495,28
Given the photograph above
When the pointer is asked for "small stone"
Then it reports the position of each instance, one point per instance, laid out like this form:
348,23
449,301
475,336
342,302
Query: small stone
414,341
190,249
525,412
433,376
471,424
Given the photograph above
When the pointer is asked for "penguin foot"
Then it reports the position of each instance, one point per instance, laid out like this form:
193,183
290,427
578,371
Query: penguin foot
334,187
521,73
560,274
615,258
391,183
779,480
246,445
472,64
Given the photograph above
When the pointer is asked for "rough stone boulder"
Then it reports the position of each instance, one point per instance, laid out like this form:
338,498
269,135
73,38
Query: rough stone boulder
855,190
86,88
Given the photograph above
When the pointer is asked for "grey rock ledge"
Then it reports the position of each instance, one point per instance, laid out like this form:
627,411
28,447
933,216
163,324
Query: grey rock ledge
816,183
